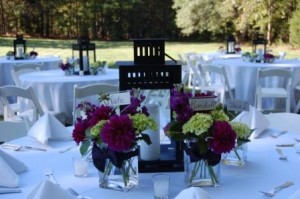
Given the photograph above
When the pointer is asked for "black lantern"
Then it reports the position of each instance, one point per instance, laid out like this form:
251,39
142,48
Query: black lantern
149,70
83,46
259,45
230,45
19,47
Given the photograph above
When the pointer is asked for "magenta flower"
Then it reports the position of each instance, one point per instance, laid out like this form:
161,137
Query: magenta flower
79,130
99,113
223,137
118,133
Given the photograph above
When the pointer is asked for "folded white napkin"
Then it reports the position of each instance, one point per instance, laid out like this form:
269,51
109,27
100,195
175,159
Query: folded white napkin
193,193
255,120
9,170
295,195
48,190
48,127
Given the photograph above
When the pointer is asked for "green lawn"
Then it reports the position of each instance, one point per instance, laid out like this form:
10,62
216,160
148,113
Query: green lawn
112,51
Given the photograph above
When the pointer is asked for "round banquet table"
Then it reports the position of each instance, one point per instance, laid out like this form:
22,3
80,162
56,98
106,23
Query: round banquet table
54,90
49,62
242,75
263,170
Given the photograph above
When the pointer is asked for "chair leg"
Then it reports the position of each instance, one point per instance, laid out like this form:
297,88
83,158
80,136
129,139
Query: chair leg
296,110
288,105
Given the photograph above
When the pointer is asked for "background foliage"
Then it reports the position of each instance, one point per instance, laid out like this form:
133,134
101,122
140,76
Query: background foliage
203,20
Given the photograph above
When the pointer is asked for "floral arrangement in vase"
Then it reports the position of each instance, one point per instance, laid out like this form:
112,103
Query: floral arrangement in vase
238,156
65,66
113,138
237,49
97,66
33,54
203,125
269,58
10,55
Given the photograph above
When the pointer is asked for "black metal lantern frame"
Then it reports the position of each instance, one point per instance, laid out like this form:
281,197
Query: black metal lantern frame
19,47
157,75
259,44
230,45
83,47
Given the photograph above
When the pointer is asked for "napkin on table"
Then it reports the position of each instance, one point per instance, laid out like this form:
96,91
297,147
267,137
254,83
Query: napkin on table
193,193
10,167
48,127
255,120
48,190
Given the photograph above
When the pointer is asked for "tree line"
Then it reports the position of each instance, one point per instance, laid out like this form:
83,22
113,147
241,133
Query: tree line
204,20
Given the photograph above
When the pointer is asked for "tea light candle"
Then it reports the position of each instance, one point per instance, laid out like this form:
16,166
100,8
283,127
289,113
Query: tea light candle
80,167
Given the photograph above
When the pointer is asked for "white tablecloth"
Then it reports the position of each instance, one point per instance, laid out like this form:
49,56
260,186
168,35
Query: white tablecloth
242,74
50,62
55,90
263,170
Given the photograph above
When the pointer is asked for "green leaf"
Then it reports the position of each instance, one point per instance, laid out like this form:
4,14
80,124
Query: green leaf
146,138
84,147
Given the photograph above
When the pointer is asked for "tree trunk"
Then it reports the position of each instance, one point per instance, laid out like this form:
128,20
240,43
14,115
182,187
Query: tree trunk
269,26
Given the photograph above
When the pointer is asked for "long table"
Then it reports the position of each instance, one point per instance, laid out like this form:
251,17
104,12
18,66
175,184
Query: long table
263,171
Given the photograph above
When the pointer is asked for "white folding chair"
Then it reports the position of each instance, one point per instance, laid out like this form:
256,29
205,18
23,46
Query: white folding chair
215,79
81,93
19,69
29,115
297,108
270,90
10,130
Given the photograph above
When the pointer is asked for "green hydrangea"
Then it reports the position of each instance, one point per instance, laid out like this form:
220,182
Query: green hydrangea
141,122
219,115
242,130
95,130
198,124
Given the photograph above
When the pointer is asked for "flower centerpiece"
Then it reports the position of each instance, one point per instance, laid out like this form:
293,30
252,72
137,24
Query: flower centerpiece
269,58
10,55
33,54
113,139
237,49
97,66
238,156
202,123
66,67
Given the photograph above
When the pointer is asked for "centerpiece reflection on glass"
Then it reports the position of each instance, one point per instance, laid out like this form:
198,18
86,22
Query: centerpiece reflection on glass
203,125
111,134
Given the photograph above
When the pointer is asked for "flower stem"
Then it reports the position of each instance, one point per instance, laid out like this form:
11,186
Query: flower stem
195,171
212,174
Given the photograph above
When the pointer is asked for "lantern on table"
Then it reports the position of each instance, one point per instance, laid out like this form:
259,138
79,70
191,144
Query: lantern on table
259,45
19,47
83,46
230,45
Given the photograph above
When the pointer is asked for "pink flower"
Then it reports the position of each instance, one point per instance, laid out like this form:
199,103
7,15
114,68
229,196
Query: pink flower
118,133
223,137
79,130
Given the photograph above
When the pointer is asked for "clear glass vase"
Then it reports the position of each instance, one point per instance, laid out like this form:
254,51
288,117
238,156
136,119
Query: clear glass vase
122,179
201,174
237,157
201,169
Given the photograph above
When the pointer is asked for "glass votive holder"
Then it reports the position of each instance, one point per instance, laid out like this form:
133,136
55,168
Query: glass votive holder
80,166
161,186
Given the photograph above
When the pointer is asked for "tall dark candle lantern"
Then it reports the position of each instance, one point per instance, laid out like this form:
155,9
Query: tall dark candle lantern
259,45
230,44
19,47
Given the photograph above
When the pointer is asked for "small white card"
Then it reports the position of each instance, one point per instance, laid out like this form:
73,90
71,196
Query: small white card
203,104
117,99
237,105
